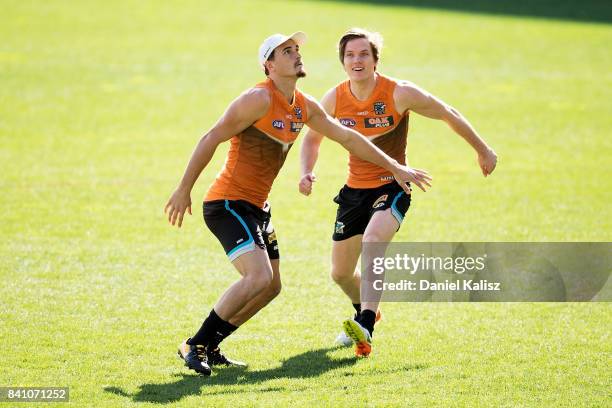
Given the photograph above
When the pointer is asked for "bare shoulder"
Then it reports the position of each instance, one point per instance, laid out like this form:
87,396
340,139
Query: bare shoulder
248,107
406,88
329,101
255,99
327,104
407,94
312,106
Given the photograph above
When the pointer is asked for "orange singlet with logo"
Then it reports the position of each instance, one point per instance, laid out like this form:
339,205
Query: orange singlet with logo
257,154
378,120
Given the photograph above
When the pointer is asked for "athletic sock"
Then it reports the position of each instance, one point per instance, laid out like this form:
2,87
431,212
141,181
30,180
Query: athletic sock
209,328
367,319
221,334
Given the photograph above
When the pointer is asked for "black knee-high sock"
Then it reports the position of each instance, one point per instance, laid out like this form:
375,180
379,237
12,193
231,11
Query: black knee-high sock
207,332
367,319
223,332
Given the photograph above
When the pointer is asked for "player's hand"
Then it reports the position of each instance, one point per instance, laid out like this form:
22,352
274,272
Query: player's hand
306,181
179,202
487,161
405,174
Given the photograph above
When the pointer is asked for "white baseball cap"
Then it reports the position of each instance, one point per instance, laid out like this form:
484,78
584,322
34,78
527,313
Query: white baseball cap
273,41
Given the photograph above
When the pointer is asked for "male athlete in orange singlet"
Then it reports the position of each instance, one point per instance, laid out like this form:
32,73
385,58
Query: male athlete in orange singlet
262,124
371,206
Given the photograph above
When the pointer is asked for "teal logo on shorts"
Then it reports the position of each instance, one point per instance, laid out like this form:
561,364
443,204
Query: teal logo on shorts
339,227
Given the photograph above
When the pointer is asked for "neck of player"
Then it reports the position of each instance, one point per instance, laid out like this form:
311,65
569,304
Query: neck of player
286,85
362,89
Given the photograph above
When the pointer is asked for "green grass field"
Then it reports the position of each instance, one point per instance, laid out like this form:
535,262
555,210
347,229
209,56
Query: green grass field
101,104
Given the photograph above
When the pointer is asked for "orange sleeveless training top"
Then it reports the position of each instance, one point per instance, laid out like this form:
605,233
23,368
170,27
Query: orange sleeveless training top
378,120
257,154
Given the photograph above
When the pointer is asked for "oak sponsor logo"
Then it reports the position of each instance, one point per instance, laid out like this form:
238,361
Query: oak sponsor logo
278,124
348,122
296,126
382,122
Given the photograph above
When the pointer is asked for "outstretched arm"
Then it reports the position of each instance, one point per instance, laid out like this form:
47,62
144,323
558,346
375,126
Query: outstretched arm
359,145
310,147
410,97
241,113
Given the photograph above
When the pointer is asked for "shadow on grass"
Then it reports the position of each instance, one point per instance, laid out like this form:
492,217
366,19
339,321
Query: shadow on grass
309,364
306,365
579,10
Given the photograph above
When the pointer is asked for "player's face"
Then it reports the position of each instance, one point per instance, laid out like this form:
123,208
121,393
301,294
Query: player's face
288,60
359,61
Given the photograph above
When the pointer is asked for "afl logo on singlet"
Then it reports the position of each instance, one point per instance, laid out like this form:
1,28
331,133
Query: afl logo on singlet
278,124
348,122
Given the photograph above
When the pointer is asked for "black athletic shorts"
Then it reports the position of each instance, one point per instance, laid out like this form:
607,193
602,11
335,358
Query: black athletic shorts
357,205
241,227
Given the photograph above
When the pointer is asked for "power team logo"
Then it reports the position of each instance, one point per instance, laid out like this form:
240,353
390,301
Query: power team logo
383,122
348,122
296,126
380,201
278,124
298,112
379,108
339,227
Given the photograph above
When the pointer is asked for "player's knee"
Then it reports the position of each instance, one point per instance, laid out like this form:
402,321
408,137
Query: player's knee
373,236
259,280
274,289
341,275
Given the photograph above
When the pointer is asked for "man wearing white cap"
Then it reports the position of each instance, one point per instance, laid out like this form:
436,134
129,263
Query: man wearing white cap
262,124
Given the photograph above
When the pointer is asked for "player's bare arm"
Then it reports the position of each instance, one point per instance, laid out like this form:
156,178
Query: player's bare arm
408,96
310,147
353,141
242,112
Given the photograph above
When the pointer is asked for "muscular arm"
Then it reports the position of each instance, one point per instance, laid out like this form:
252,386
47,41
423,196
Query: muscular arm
242,112
410,97
310,146
359,145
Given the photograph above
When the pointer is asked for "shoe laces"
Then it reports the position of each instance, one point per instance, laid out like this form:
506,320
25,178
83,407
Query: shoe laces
216,356
200,352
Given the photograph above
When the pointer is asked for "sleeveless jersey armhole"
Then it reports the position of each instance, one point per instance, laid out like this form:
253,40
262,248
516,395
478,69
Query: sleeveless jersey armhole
301,101
396,83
